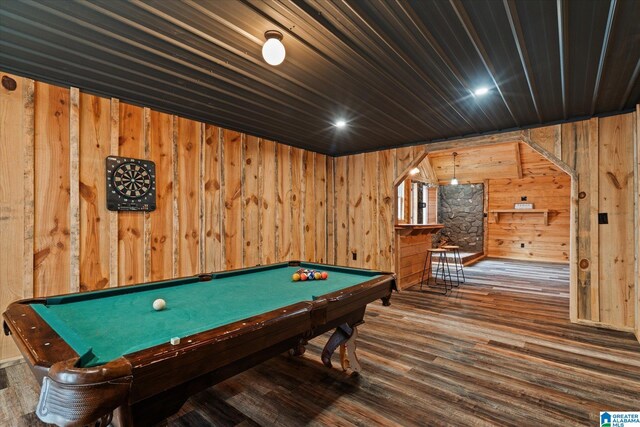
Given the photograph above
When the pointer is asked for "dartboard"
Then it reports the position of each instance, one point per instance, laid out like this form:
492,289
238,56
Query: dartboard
131,180
130,184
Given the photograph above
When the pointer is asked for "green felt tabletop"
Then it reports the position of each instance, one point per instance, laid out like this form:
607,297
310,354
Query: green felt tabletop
104,325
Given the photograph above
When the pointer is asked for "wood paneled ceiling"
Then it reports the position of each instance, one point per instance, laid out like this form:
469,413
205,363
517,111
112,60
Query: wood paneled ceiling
399,71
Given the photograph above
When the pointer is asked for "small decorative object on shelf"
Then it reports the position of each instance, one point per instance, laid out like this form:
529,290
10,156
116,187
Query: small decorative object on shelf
523,206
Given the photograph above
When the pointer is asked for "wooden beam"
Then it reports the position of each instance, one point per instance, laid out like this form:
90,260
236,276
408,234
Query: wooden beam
113,216
28,126
427,170
485,219
551,157
474,141
593,209
74,189
518,159
406,171
146,217
175,220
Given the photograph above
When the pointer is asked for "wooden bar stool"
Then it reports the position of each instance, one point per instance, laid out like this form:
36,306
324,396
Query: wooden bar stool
457,261
442,269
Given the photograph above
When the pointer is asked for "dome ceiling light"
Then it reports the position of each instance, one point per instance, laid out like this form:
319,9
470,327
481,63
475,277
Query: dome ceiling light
273,50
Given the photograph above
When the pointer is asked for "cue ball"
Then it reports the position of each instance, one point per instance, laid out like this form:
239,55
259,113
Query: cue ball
159,304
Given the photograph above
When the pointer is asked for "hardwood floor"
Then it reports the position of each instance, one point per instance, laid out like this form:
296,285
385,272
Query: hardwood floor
499,350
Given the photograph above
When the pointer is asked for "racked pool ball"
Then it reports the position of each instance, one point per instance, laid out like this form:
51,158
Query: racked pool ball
325,275
303,277
317,276
295,277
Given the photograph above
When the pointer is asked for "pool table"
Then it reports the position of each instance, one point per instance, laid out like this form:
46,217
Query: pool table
108,356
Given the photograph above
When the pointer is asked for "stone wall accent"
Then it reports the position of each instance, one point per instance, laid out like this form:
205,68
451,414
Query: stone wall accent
461,212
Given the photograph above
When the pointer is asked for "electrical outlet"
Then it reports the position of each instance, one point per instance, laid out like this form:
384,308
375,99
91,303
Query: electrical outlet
603,218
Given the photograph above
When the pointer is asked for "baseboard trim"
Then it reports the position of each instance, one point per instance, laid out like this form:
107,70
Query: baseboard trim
605,325
11,361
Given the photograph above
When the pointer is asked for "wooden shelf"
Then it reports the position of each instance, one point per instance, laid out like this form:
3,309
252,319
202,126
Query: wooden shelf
414,229
543,212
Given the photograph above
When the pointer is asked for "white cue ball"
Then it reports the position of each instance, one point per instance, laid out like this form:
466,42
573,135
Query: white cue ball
159,304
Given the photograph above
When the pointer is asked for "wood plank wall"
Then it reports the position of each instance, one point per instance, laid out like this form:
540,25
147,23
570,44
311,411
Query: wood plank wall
547,187
224,199
600,150
637,218
57,235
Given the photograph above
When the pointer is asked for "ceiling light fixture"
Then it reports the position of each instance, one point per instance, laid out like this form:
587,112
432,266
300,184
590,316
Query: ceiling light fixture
340,124
414,171
273,50
454,180
481,91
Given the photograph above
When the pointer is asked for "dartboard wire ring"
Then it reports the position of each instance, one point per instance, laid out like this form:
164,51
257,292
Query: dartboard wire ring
133,178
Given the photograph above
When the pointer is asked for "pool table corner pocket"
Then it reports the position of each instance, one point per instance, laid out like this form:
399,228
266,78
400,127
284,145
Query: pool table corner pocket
95,391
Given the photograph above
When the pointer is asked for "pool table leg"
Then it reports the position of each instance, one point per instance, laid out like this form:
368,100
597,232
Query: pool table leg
299,349
386,301
344,337
122,416
348,356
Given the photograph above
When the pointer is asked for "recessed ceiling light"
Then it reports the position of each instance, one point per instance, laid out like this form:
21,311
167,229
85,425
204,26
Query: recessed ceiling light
481,91
340,124
414,171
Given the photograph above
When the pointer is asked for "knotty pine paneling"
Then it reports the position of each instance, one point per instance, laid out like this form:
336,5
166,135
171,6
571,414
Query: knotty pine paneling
267,195
52,256
579,145
95,145
580,149
213,206
130,224
308,206
342,224
357,218
251,214
189,145
331,211
297,207
162,147
232,196
637,221
615,197
386,215
224,199
319,207
370,210
284,199
16,197
541,242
